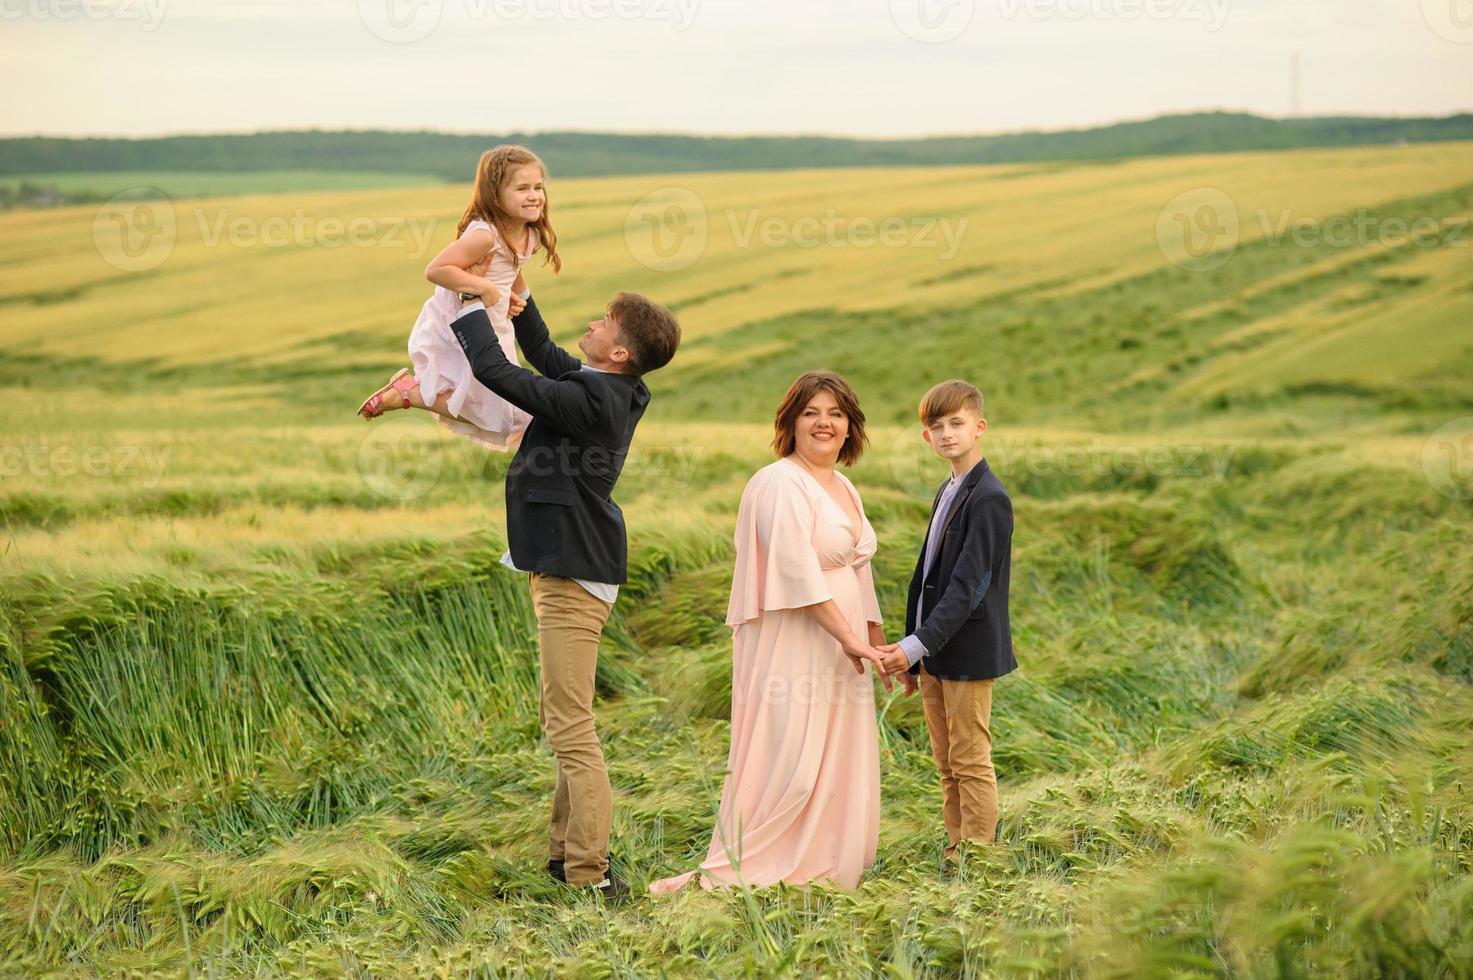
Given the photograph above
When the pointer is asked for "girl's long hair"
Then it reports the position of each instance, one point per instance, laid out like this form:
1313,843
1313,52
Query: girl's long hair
492,172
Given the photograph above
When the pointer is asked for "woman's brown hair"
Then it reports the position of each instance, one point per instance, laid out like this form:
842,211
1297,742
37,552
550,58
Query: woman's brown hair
808,384
492,172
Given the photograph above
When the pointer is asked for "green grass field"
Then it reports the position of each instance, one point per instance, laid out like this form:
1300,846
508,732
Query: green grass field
268,703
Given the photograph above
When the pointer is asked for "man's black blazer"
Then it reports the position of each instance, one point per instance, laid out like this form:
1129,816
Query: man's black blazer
560,517
965,626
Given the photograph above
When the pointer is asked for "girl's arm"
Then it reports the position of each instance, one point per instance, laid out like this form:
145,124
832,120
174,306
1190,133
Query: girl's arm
448,269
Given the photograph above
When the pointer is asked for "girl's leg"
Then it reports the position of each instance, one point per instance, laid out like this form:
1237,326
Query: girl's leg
440,406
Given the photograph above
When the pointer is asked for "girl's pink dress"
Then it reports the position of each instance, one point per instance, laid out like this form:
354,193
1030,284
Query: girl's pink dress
440,365
801,800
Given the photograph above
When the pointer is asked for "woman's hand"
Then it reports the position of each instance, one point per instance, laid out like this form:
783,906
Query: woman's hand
858,653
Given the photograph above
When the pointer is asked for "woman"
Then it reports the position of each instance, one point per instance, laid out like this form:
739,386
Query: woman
801,800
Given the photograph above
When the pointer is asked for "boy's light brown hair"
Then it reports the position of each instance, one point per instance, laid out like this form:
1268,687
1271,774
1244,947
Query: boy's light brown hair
948,398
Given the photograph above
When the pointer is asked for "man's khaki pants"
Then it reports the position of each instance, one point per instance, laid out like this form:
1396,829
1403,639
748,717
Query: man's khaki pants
569,622
959,719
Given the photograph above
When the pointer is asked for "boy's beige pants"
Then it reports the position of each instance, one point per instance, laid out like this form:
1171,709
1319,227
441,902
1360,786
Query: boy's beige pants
959,719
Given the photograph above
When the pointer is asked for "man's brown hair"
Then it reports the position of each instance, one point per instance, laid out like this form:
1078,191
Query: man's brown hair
948,398
785,425
647,330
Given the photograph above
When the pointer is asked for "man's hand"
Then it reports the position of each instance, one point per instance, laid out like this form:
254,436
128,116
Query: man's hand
515,305
908,682
893,659
487,292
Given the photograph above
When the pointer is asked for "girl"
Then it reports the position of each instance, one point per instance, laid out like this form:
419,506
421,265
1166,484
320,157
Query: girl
507,219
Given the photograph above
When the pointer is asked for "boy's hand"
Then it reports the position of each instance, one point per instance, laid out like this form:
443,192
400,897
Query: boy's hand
894,660
908,681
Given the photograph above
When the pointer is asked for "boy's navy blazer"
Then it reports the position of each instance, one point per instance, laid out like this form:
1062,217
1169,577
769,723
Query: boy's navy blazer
965,626
560,516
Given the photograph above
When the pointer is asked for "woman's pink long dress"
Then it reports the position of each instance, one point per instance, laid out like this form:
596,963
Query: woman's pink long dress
801,800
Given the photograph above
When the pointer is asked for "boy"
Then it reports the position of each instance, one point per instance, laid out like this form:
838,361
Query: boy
958,640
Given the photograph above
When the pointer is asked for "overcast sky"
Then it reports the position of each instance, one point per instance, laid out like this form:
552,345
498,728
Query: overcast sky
862,67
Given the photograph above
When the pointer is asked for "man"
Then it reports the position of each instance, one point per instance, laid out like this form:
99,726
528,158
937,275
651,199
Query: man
565,531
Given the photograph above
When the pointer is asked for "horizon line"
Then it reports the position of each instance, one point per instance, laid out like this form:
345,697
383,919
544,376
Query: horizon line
691,134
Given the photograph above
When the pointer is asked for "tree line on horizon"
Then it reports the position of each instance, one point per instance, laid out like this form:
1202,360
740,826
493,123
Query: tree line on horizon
452,156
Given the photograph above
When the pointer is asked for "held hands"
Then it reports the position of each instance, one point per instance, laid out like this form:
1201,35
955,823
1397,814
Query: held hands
894,661
858,653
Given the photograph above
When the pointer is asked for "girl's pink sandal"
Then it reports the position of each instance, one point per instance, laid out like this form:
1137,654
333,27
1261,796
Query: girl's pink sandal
402,382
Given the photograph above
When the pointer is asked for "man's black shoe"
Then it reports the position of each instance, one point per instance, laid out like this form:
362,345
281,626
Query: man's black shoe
612,889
